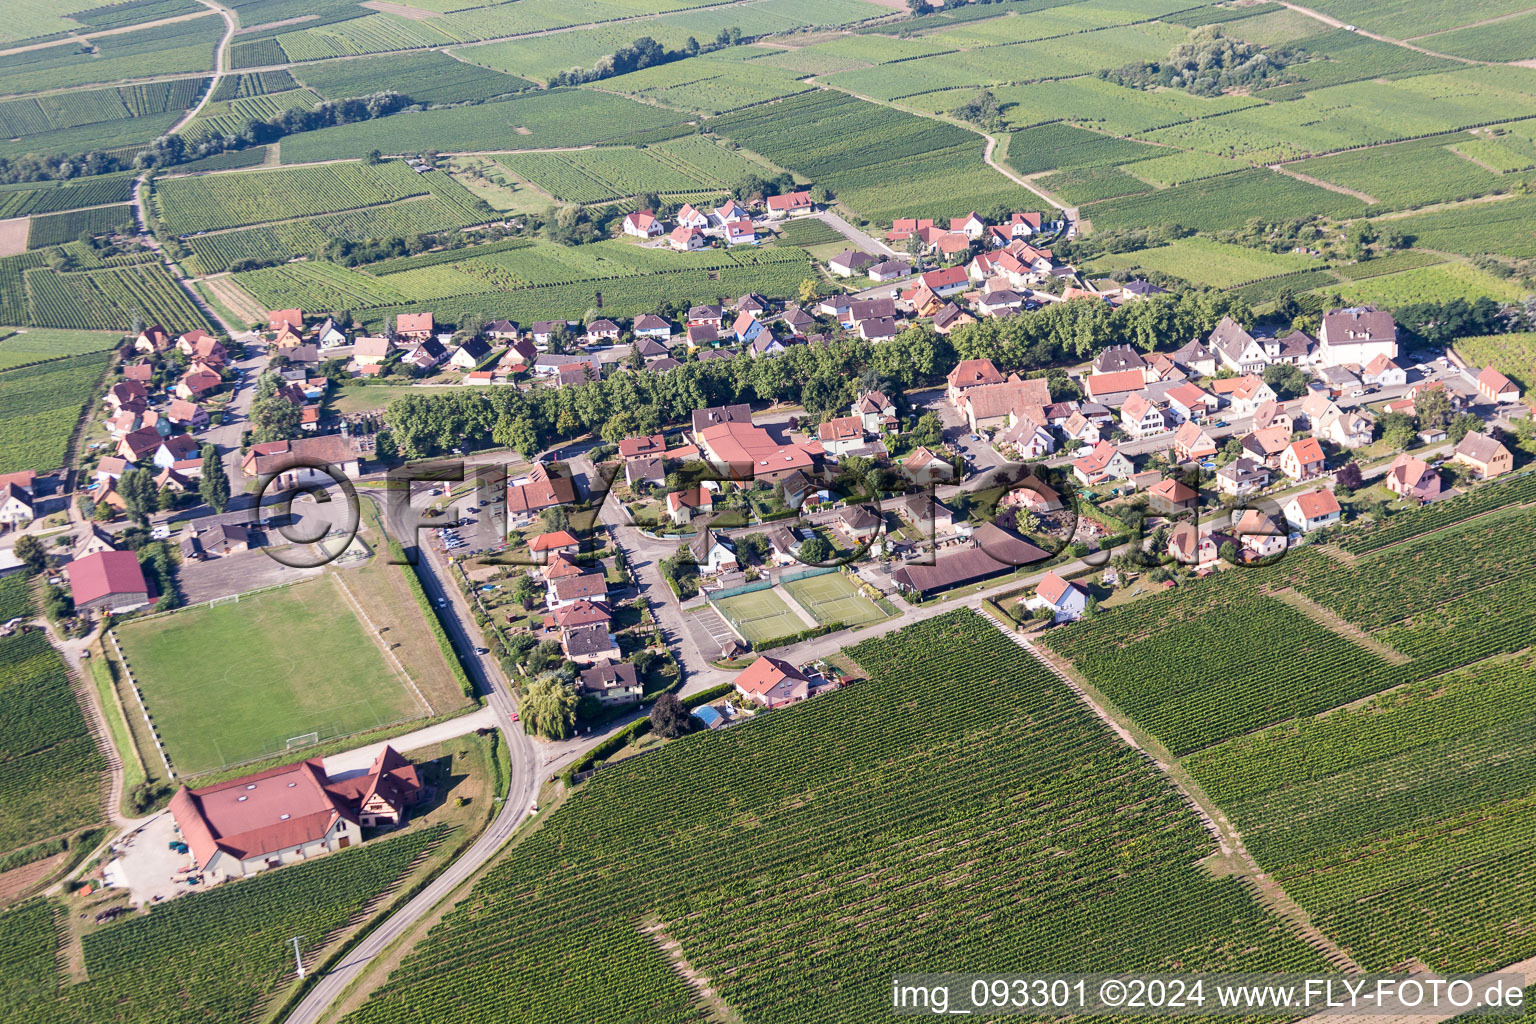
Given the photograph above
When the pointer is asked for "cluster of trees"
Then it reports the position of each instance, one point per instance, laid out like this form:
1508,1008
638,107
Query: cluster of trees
273,417
981,110
823,378
1440,323
643,53
1208,64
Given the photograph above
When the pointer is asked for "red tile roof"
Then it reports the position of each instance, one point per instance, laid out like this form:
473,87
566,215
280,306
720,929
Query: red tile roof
765,673
105,573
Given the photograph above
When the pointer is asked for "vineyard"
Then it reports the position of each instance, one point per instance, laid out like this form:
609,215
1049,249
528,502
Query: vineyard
218,955
1501,227
235,87
1413,173
111,298
562,117
185,46
870,836
230,118
590,176
39,407
58,228
1440,283
54,197
192,204
56,112
38,345
53,769
1205,261
431,77
1404,826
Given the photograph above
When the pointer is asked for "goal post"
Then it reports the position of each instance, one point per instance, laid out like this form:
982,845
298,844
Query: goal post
305,740
226,599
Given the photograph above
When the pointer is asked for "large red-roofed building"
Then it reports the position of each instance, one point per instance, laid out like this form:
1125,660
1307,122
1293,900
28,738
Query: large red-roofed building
108,581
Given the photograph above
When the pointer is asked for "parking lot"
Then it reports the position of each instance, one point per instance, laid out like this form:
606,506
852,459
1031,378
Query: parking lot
147,866
234,574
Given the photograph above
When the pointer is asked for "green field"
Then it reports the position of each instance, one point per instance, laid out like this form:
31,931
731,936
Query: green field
1408,173
53,779
760,615
234,682
40,407
1439,283
1513,354
686,165
1503,227
1204,261
874,823
220,955
1223,203
21,346
431,77
833,597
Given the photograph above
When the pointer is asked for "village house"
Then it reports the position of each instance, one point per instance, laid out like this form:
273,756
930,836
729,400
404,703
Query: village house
541,489
1244,394
1410,477
611,683
1188,546
1355,336
1118,359
1496,387
1303,460
922,466
859,523
740,232
686,239
843,434
1196,358
15,505
470,354
425,355
875,411
1067,600
653,327
682,505
1351,428
1238,350
1104,462
1241,476
152,339
970,373
590,645
1079,427
1191,443
772,683
1027,433
1312,510
416,327
643,224
890,270
950,317
1188,403
291,460
946,282
1272,414
713,553
991,405
1114,387
1171,496
850,263
579,586
1483,457
1382,372
1140,417
789,204
1259,535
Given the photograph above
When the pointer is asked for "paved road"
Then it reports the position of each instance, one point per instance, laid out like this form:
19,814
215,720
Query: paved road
860,239
360,759
218,63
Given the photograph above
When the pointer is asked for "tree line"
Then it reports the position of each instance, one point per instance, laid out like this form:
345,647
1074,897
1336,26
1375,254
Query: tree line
823,377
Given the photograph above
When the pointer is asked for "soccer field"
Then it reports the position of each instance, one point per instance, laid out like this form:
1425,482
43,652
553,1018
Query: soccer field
760,615
833,597
235,682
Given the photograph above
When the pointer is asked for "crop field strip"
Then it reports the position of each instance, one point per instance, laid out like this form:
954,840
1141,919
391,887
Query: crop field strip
110,298
177,48
40,406
831,810
218,956
58,228
52,782
686,165
1199,679
41,345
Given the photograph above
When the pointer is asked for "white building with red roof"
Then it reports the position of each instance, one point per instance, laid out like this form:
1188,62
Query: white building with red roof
1312,510
1066,599
1496,387
773,683
643,224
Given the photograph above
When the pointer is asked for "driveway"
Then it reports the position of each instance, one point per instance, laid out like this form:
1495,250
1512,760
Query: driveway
146,865
860,239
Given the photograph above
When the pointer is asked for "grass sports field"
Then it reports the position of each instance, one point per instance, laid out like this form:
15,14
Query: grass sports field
833,597
236,681
760,615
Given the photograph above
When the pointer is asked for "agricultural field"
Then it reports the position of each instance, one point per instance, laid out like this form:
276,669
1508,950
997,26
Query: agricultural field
24,346
1084,185
1503,149
40,407
807,232
567,117
1439,283
306,665
1513,355
710,84
317,285
1204,261
54,197
1223,203
204,203
1403,825
431,77
879,161
1178,168
220,954
109,298
1499,227
58,228
53,782
185,46
686,165
231,117
840,802
1060,145
1407,174
1409,19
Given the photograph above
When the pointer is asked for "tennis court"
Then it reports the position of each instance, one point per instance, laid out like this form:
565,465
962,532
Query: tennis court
833,597
760,615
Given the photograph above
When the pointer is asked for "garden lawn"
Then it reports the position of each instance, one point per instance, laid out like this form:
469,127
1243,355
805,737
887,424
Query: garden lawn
760,615
832,597
234,682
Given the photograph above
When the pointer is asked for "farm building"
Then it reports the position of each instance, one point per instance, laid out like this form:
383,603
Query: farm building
109,581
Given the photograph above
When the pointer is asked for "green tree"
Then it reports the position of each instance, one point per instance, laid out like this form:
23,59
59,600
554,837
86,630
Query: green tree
670,717
1461,426
815,550
214,485
1433,407
526,590
555,518
549,708
139,493
32,553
